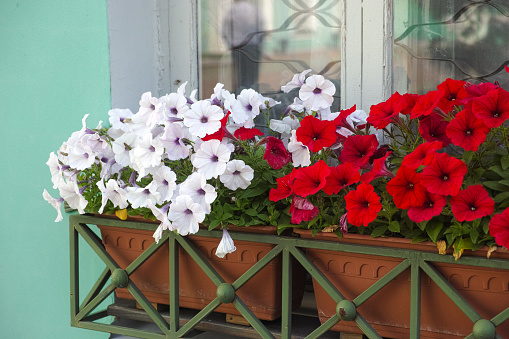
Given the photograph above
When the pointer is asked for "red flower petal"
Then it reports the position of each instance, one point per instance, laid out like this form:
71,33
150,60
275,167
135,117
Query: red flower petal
422,155
499,228
362,205
316,134
276,154
492,108
387,112
379,170
309,180
432,206
340,176
406,188
467,131
302,210
444,175
472,203
284,187
219,134
246,133
426,104
434,128
453,91
357,149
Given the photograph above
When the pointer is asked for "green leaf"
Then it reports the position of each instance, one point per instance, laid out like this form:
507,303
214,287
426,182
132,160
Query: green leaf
505,182
228,208
379,231
504,161
419,238
463,244
251,211
252,192
467,157
497,169
218,209
422,225
501,197
433,229
213,224
491,175
496,185
227,216
394,226
474,235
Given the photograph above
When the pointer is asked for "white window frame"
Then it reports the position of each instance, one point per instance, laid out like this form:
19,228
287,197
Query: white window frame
170,56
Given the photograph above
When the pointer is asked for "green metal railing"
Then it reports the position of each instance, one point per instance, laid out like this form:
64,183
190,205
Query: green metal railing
85,315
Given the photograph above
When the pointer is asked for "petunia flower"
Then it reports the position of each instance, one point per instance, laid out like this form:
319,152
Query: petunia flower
475,91
472,203
434,128
246,133
141,196
150,110
444,175
55,169
407,103
284,187
358,149
309,180
246,107
174,105
467,131
300,152
56,203
426,104
165,180
296,82
221,132
186,215
237,175
379,169
499,228
362,205
317,93
316,134
341,176
119,119
226,245
203,118
385,113
302,210
112,192
275,153
70,192
199,190
453,91
431,207
422,155
492,108
211,158
122,147
406,188
81,156
147,154
172,139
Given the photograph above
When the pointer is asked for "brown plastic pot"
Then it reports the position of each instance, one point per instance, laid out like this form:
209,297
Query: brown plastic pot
388,311
262,293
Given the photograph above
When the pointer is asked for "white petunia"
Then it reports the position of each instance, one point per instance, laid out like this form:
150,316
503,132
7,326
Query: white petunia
70,192
197,188
203,118
147,153
173,142
226,245
113,192
55,169
174,105
122,146
165,180
296,82
150,110
211,158
141,196
237,175
246,107
317,92
120,118
56,203
81,156
300,152
186,215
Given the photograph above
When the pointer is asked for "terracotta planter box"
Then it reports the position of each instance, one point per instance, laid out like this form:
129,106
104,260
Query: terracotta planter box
388,311
262,293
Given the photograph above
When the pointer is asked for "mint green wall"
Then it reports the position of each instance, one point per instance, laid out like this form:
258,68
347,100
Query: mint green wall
54,68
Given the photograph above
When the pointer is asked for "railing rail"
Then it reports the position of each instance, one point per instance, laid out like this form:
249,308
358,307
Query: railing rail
290,248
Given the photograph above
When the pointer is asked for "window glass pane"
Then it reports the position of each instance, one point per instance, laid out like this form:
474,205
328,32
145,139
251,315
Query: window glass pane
261,44
439,39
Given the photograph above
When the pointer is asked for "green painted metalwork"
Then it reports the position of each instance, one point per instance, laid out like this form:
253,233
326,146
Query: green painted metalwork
285,247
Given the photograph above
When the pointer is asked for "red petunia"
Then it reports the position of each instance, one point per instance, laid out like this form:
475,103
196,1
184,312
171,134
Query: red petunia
358,149
472,203
426,104
302,210
434,128
407,102
431,207
499,228
386,112
453,91
467,131
284,187
316,134
276,154
340,176
492,108
422,155
246,133
220,133
444,175
475,91
378,170
311,179
341,121
362,205
406,188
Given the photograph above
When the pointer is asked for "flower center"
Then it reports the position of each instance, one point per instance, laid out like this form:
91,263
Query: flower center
469,132
249,107
236,173
473,208
445,177
152,107
430,204
214,158
410,185
152,149
496,114
188,211
203,120
173,110
201,191
146,191
317,90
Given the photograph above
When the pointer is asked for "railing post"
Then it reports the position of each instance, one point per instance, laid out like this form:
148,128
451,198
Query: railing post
286,312
415,296
174,284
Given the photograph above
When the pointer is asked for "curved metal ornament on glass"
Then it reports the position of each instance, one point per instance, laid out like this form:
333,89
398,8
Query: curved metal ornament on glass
261,44
440,39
